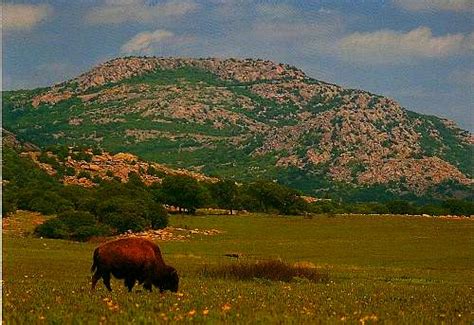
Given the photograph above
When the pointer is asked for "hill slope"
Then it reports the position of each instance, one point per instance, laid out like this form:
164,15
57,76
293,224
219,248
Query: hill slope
246,119
87,166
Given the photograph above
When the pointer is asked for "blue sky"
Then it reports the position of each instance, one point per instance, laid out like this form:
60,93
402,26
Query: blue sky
420,52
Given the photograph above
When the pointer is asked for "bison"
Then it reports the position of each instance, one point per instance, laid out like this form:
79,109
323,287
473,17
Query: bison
133,259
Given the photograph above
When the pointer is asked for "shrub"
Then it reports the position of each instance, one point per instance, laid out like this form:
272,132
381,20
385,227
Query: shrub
9,201
46,159
76,225
39,204
52,228
76,219
122,223
434,210
271,270
81,198
401,207
154,172
459,207
96,151
158,217
84,233
84,174
69,171
81,155
97,179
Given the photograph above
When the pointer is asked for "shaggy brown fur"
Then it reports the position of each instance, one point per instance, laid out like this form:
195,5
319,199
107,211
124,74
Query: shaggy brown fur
133,259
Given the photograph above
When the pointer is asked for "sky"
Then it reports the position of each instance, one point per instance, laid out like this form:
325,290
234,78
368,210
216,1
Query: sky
419,52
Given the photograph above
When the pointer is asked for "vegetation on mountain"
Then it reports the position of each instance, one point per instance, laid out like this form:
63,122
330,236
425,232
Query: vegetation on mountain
114,205
247,119
110,208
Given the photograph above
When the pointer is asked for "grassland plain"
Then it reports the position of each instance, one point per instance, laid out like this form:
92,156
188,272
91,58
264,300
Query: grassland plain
393,269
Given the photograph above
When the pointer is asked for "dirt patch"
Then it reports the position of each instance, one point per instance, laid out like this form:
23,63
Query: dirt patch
22,223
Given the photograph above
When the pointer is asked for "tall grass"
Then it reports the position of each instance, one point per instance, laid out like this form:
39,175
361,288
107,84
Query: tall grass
274,270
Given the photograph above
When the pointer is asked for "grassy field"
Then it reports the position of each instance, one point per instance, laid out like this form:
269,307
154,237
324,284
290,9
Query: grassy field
381,269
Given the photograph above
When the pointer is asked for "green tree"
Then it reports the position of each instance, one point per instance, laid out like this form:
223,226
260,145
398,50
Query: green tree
459,207
226,194
401,207
184,192
273,196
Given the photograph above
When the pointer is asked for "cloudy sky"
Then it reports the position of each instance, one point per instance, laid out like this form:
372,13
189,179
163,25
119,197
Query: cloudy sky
420,52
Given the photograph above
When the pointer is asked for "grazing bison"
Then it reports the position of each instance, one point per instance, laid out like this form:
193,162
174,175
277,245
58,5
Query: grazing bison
133,259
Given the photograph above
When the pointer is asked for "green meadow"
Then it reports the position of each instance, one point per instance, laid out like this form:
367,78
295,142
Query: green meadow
394,269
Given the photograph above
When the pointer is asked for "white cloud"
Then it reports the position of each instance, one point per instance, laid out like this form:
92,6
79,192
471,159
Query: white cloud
120,11
23,17
435,5
387,46
151,42
142,42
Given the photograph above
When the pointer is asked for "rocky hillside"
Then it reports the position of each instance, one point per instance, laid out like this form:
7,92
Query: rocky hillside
246,119
86,168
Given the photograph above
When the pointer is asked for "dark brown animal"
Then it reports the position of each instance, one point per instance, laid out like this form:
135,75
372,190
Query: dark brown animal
133,259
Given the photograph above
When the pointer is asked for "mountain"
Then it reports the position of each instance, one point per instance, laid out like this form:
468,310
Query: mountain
247,119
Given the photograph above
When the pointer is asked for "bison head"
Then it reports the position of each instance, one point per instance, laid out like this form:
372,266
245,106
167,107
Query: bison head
169,280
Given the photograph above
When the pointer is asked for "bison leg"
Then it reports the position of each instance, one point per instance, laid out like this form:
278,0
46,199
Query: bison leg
147,285
106,277
129,283
95,278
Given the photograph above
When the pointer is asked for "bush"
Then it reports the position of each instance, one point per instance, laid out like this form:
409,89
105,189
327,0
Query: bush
81,155
42,205
52,228
69,171
158,217
96,151
84,233
82,199
9,201
122,223
434,210
8,207
401,207
459,207
76,219
76,225
84,174
46,159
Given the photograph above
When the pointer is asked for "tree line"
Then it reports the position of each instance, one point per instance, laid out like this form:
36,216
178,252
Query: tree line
114,207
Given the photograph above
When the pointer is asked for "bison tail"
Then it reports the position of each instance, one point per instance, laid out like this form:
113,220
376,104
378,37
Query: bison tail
95,260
